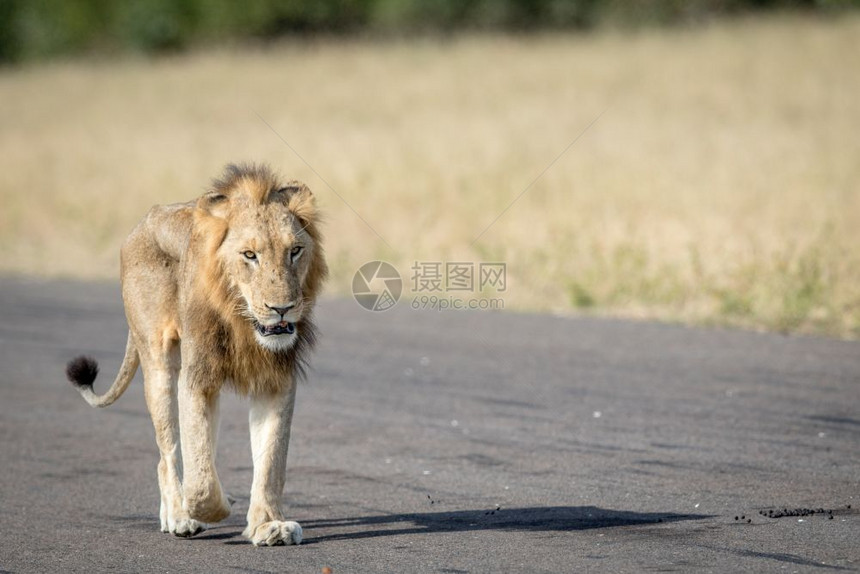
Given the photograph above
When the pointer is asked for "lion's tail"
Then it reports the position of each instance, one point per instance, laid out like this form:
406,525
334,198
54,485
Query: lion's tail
82,371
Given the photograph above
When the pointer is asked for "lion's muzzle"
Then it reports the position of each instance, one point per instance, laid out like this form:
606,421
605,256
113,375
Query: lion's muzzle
282,328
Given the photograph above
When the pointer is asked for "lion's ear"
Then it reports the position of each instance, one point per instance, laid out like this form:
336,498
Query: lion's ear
214,203
301,201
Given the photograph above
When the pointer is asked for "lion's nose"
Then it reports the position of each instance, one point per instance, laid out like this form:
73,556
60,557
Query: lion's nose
281,310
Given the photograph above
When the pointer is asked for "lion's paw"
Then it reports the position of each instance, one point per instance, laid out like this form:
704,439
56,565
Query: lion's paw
276,533
187,527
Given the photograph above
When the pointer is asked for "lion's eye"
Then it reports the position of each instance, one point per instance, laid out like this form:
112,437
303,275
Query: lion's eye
295,251
250,255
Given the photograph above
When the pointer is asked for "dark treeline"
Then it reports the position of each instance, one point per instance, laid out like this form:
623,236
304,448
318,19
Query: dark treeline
39,29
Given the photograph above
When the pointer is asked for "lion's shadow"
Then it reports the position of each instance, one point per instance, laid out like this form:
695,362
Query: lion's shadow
527,519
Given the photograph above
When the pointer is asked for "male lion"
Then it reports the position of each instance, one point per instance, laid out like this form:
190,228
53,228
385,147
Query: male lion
219,291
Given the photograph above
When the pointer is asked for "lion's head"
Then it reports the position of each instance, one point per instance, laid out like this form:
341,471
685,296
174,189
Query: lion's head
264,260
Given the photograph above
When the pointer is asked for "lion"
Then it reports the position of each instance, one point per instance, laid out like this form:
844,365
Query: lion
219,293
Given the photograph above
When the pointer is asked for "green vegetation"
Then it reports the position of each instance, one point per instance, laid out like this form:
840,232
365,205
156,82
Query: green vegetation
38,29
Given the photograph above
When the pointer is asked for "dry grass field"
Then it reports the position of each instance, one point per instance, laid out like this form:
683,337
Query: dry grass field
721,185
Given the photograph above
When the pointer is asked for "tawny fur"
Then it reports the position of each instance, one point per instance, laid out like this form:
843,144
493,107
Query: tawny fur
203,281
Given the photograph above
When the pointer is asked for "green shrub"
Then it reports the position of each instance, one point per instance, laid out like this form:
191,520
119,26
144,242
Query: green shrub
39,29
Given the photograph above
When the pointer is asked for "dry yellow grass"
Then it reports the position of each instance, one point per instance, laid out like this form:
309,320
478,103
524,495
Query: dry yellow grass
721,185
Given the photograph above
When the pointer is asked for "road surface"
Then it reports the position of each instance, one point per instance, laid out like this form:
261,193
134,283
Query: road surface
452,442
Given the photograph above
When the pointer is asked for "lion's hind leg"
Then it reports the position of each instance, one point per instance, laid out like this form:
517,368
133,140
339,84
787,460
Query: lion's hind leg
151,296
160,389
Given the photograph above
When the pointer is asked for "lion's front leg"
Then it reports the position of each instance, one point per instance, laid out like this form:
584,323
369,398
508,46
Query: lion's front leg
270,420
202,495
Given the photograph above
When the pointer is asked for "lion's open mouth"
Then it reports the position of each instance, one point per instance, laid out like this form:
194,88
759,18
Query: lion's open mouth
282,328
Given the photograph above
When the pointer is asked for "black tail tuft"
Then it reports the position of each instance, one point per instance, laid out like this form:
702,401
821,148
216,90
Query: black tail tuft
82,371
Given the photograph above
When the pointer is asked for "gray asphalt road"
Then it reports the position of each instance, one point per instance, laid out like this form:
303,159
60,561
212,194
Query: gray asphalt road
452,442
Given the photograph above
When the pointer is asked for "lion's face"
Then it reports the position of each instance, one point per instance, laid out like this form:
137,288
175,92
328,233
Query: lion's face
269,255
